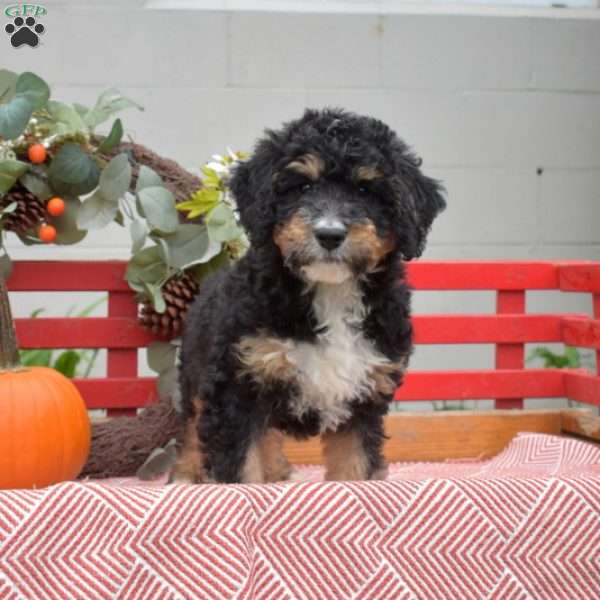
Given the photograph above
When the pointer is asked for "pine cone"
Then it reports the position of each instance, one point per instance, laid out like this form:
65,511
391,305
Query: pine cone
30,211
178,294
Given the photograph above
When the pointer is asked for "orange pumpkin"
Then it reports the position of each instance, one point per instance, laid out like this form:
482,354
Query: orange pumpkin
44,426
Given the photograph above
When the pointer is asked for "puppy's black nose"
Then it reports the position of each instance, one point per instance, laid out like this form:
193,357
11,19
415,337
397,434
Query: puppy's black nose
330,235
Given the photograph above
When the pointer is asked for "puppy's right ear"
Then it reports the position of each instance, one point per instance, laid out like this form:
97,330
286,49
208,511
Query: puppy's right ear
252,189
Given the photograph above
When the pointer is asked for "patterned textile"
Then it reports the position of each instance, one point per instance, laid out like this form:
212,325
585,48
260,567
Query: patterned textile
525,524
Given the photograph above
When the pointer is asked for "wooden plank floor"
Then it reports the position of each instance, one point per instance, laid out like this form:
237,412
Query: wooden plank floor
437,436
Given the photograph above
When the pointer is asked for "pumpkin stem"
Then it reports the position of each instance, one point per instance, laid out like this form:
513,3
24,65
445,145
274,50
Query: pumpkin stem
9,351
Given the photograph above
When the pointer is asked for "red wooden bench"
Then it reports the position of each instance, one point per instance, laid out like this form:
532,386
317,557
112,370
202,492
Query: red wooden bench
122,391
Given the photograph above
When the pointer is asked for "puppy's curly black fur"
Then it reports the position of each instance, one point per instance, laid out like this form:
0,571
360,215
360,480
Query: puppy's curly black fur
309,333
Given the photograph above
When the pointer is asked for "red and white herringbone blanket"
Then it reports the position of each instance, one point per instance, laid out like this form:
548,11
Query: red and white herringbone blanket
525,524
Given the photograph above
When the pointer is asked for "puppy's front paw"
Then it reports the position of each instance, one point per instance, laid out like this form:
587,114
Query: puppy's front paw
178,479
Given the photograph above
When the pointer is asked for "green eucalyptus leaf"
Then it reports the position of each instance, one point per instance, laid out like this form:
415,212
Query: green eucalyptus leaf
166,384
164,248
14,117
66,225
36,185
115,178
67,119
139,231
35,89
10,171
5,266
158,205
28,240
73,171
145,266
97,211
171,447
7,210
113,138
161,356
190,245
80,109
148,178
137,287
8,85
221,224
155,294
158,463
215,264
120,219
110,102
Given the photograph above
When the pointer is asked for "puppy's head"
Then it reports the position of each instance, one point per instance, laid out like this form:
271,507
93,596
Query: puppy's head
336,193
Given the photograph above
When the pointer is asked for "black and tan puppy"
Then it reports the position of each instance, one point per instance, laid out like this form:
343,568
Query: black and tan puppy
310,332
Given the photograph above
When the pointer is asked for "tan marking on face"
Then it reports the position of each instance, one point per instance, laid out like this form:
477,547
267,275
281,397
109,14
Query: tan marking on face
368,173
364,240
189,467
384,376
265,359
293,235
275,464
345,458
309,165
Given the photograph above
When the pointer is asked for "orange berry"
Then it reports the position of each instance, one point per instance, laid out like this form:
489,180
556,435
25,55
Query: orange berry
56,206
37,153
47,233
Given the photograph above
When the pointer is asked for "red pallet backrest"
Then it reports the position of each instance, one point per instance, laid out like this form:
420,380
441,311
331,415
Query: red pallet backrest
122,391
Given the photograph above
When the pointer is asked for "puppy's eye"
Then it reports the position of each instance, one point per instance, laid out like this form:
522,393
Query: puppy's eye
363,190
307,187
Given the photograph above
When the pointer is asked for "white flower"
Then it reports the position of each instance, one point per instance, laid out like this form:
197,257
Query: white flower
217,167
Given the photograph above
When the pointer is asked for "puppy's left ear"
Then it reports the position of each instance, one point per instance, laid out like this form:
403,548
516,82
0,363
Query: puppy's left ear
426,200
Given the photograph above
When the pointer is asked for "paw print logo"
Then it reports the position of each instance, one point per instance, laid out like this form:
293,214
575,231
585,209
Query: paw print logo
24,32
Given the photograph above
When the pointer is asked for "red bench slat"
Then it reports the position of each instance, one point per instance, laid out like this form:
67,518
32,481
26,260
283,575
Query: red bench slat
125,332
581,331
583,387
69,276
492,275
117,392
125,392
579,277
486,329
424,275
91,332
473,385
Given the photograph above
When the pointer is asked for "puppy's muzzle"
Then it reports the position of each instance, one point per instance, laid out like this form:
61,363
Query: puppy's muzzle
330,233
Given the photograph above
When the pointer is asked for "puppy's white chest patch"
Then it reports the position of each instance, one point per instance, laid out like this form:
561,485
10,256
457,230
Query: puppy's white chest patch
335,370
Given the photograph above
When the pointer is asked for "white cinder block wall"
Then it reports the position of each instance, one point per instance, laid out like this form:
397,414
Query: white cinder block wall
503,106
